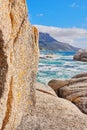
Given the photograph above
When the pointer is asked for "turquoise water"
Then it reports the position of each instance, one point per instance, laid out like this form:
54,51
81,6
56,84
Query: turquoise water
60,66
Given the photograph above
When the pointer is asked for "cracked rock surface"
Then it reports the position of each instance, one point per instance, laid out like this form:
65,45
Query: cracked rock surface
18,63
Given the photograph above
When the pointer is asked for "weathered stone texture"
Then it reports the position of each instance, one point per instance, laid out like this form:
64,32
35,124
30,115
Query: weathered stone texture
74,90
18,63
53,113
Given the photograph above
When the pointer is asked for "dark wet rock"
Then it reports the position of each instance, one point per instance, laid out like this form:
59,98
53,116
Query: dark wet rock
81,56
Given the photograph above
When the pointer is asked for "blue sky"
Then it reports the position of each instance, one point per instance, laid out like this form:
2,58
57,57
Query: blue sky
60,13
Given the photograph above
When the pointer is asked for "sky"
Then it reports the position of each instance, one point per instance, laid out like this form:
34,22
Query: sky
65,20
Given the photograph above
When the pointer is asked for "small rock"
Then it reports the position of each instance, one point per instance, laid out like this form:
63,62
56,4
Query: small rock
81,56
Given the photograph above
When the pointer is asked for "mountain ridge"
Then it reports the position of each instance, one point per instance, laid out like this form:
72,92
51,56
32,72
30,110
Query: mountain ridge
47,42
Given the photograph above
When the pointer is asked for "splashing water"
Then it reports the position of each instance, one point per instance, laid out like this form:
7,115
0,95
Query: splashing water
58,65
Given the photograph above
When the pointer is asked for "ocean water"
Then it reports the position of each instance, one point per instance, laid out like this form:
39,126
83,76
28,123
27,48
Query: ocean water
58,65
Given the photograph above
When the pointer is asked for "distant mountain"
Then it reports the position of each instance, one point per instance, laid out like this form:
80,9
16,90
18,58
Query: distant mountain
46,42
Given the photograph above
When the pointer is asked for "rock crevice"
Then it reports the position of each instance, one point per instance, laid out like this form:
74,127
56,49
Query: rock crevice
3,65
9,106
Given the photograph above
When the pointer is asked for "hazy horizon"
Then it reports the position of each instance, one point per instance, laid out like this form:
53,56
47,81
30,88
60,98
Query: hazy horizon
73,36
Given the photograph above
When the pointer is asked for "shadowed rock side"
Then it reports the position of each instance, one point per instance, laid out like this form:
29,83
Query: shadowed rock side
18,63
3,65
74,90
81,56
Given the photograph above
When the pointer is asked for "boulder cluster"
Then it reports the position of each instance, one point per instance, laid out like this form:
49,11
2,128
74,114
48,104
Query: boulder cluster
74,90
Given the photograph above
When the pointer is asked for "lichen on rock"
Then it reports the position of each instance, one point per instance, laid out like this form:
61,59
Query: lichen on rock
18,63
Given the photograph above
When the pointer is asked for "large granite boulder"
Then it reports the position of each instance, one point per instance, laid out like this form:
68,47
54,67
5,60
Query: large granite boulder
81,56
53,113
74,90
18,63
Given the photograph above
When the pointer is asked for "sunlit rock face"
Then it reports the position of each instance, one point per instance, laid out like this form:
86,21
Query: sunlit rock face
53,113
18,63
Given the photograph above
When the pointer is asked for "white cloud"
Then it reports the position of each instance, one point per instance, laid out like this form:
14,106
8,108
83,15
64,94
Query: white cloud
40,15
74,5
74,36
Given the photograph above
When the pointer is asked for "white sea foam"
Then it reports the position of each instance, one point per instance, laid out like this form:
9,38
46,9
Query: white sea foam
59,66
